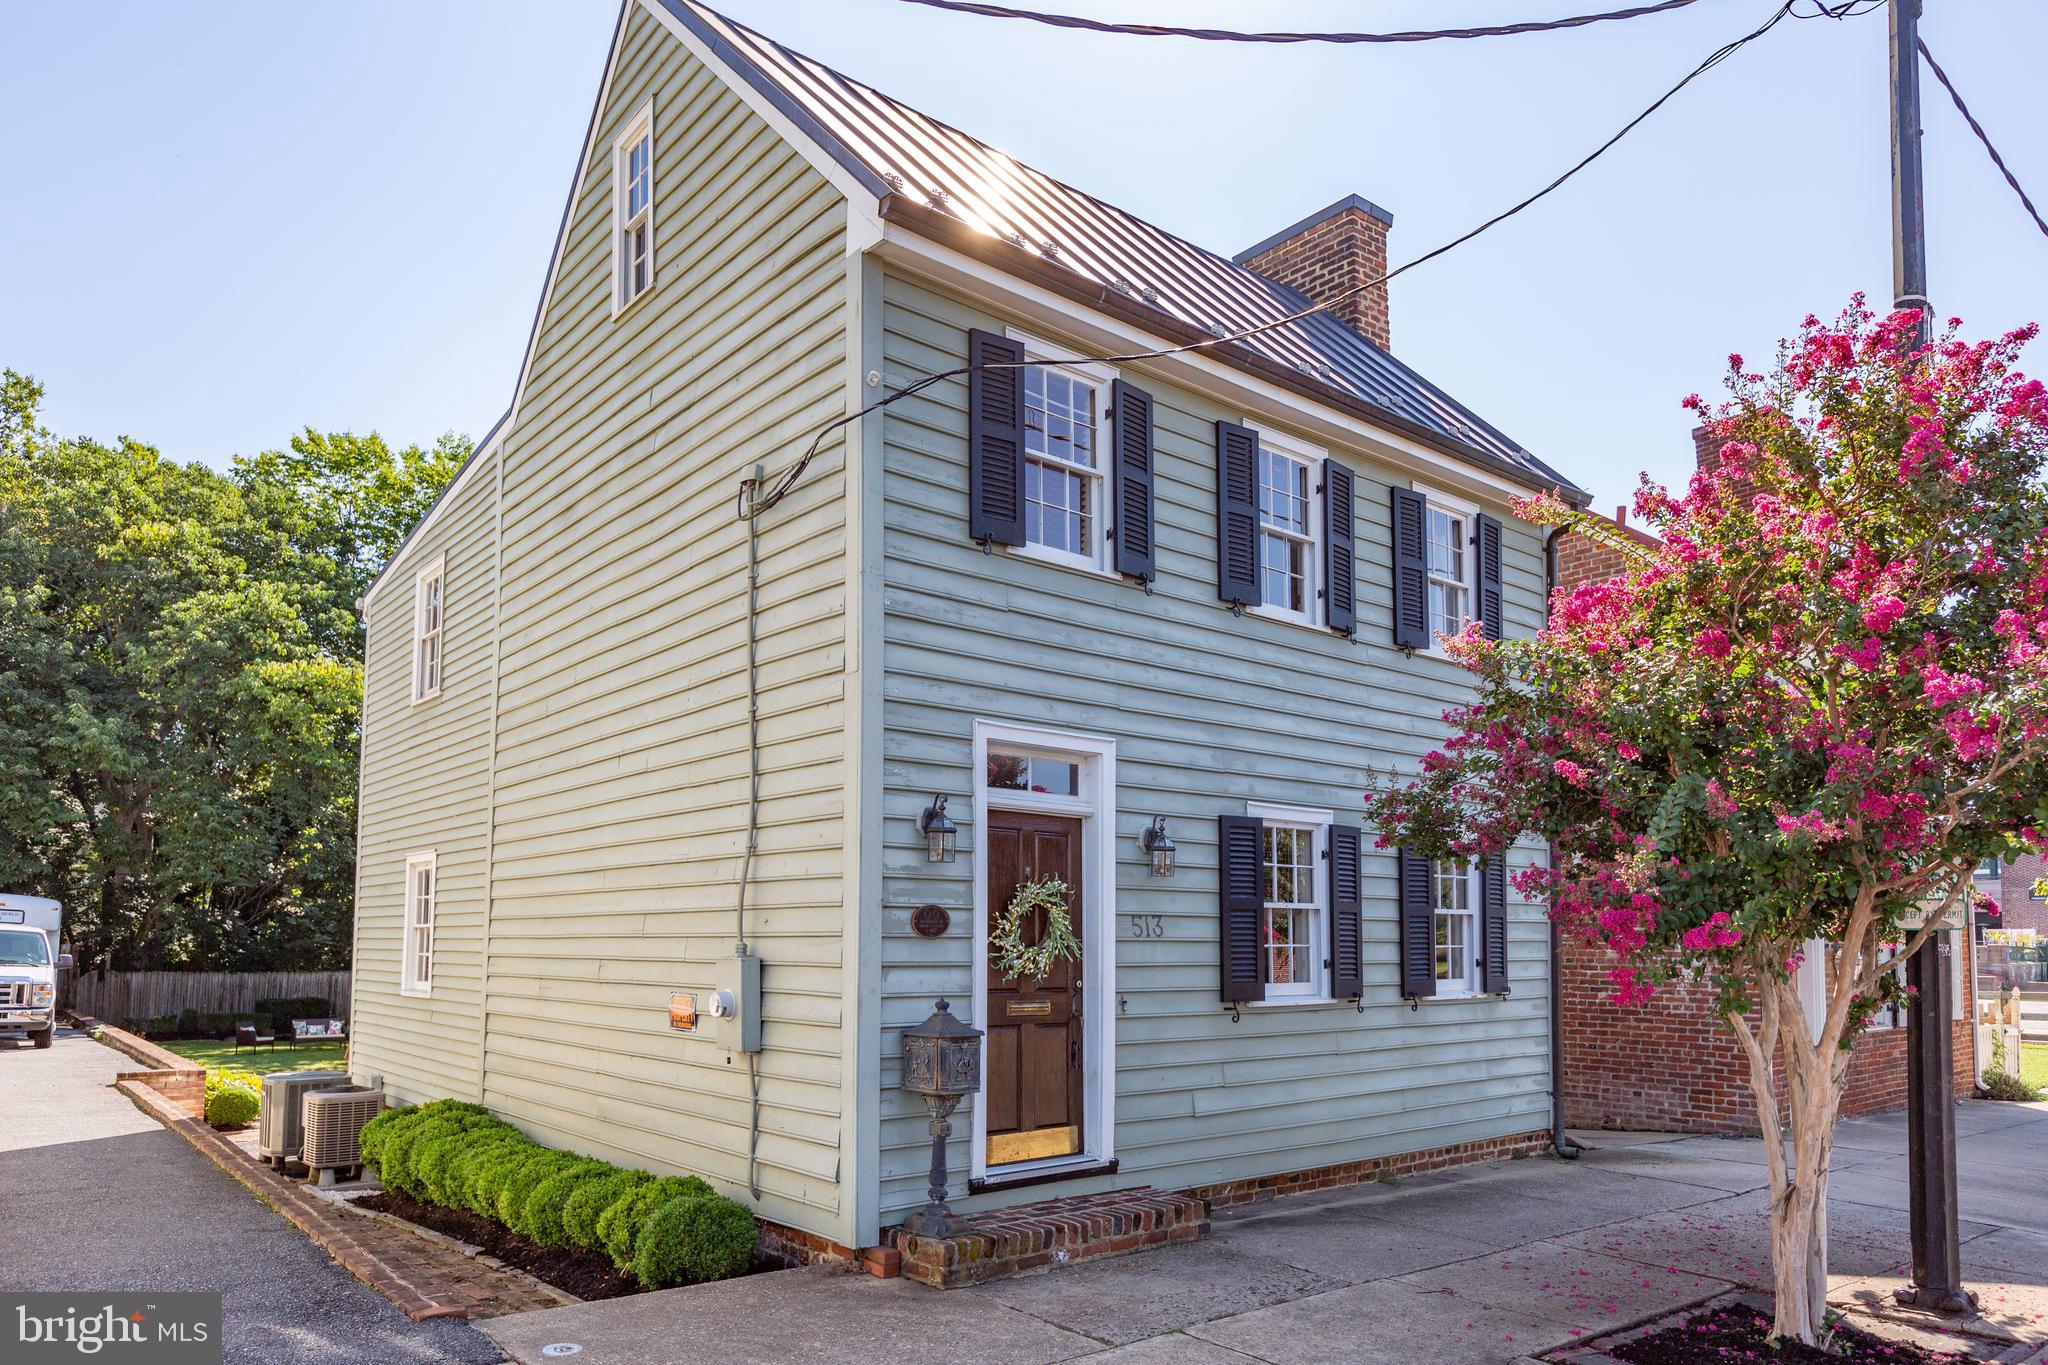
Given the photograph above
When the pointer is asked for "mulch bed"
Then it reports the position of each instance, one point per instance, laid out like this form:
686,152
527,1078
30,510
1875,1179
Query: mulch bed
1735,1334
586,1274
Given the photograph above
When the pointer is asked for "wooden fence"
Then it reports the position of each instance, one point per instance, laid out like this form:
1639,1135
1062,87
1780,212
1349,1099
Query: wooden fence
117,997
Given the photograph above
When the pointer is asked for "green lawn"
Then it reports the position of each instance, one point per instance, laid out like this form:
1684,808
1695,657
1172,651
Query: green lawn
261,1060
2034,1064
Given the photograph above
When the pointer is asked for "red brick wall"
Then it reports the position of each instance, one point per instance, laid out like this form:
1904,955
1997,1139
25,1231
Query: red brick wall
1672,1065
1342,251
2017,908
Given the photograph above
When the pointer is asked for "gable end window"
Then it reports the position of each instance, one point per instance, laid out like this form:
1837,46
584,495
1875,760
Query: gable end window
429,605
416,971
633,210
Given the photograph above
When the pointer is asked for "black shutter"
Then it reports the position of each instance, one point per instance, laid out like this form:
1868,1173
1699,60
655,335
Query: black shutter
1340,519
1488,537
1237,514
1418,928
1411,570
1131,411
1493,927
1242,906
1347,953
995,439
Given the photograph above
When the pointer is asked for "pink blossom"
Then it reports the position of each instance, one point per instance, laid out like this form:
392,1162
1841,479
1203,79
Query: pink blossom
1882,613
1570,772
1712,642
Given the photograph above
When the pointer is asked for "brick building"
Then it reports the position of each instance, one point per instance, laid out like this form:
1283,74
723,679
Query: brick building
2018,906
1671,1064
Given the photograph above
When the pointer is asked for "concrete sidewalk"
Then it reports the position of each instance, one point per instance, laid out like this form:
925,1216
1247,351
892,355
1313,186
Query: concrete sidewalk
1494,1263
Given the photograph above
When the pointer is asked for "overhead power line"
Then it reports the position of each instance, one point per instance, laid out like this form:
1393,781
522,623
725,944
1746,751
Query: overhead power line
1982,136
1224,35
751,502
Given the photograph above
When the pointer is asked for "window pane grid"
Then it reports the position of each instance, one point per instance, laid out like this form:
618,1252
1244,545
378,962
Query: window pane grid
1059,466
1284,531
1448,593
1289,875
1456,925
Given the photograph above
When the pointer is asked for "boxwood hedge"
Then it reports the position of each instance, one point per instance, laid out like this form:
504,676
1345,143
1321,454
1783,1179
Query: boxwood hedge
461,1156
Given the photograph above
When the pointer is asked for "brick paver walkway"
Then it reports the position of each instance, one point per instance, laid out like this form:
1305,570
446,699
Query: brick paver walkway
425,1277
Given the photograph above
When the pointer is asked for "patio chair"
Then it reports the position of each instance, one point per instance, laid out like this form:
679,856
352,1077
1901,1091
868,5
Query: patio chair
249,1034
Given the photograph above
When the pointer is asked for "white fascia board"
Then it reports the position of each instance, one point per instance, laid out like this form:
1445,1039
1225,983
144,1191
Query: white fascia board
1260,399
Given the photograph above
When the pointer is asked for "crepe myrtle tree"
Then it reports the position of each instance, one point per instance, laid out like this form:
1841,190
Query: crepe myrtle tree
1803,717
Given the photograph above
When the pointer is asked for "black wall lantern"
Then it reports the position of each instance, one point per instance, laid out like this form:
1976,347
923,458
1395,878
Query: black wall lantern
1159,844
941,1066
940,833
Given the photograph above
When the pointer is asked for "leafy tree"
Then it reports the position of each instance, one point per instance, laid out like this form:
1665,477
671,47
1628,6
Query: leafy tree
180,685
1806,715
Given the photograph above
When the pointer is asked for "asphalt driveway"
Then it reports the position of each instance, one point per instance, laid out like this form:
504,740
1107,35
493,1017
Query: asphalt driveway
94,1194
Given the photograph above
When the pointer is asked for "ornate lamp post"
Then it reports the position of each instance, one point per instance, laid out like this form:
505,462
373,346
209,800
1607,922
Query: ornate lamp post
941,1064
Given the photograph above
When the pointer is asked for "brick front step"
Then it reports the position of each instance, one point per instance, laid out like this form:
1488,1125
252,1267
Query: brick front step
1052,1232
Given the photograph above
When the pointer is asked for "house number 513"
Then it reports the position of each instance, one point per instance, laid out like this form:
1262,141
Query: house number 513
1148,926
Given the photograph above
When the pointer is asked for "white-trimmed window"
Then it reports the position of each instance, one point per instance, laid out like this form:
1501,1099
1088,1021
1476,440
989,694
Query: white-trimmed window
1451,560
1454,894
417,969
1294,934
1290,528
429,611
633,209
1066,446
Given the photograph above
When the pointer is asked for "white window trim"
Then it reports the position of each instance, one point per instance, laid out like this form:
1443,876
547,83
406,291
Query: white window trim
1475,897
1315,570
434,572
1099,378
408,982
1096,805
1811,981
1315,991
1457,506
639,126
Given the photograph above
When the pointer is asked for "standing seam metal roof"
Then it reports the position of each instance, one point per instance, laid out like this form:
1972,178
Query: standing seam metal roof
894,149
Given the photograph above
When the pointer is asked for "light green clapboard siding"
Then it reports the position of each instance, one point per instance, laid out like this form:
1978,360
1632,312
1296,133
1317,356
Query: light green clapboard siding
1208,711
425,784
621,754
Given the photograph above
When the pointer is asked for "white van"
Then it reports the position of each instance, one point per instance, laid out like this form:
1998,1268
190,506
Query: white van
30,954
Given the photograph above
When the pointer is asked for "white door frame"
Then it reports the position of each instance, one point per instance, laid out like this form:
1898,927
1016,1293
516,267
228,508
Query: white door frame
1095,804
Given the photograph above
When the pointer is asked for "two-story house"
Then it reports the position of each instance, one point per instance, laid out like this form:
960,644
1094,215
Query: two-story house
629,717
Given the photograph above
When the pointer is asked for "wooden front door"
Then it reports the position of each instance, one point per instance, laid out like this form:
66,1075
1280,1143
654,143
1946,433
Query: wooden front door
1034,1081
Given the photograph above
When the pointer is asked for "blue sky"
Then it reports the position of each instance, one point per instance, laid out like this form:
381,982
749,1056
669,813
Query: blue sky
228,221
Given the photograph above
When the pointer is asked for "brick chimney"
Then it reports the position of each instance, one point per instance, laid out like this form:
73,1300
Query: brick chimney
1328,252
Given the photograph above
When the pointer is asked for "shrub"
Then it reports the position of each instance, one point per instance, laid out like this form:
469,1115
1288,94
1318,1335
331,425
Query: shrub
219,1026
379,1130
470,1164
232,1098
492,1168
394,1164
588,1204
619,1227
526,1178
2003,1085
540,1217
160,1026
188,1023
695,1239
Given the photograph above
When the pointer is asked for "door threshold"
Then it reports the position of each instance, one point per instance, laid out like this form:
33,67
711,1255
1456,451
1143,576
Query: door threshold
1044,1175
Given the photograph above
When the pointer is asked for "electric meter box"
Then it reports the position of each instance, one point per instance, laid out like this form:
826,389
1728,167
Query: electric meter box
734,1009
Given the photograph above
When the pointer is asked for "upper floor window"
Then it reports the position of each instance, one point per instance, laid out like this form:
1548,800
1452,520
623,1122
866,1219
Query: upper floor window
1457,927
428,610
1450,584
633,208
1289,527
1066,410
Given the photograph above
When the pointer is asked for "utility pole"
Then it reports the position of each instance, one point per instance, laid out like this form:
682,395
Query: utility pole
1930,1041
